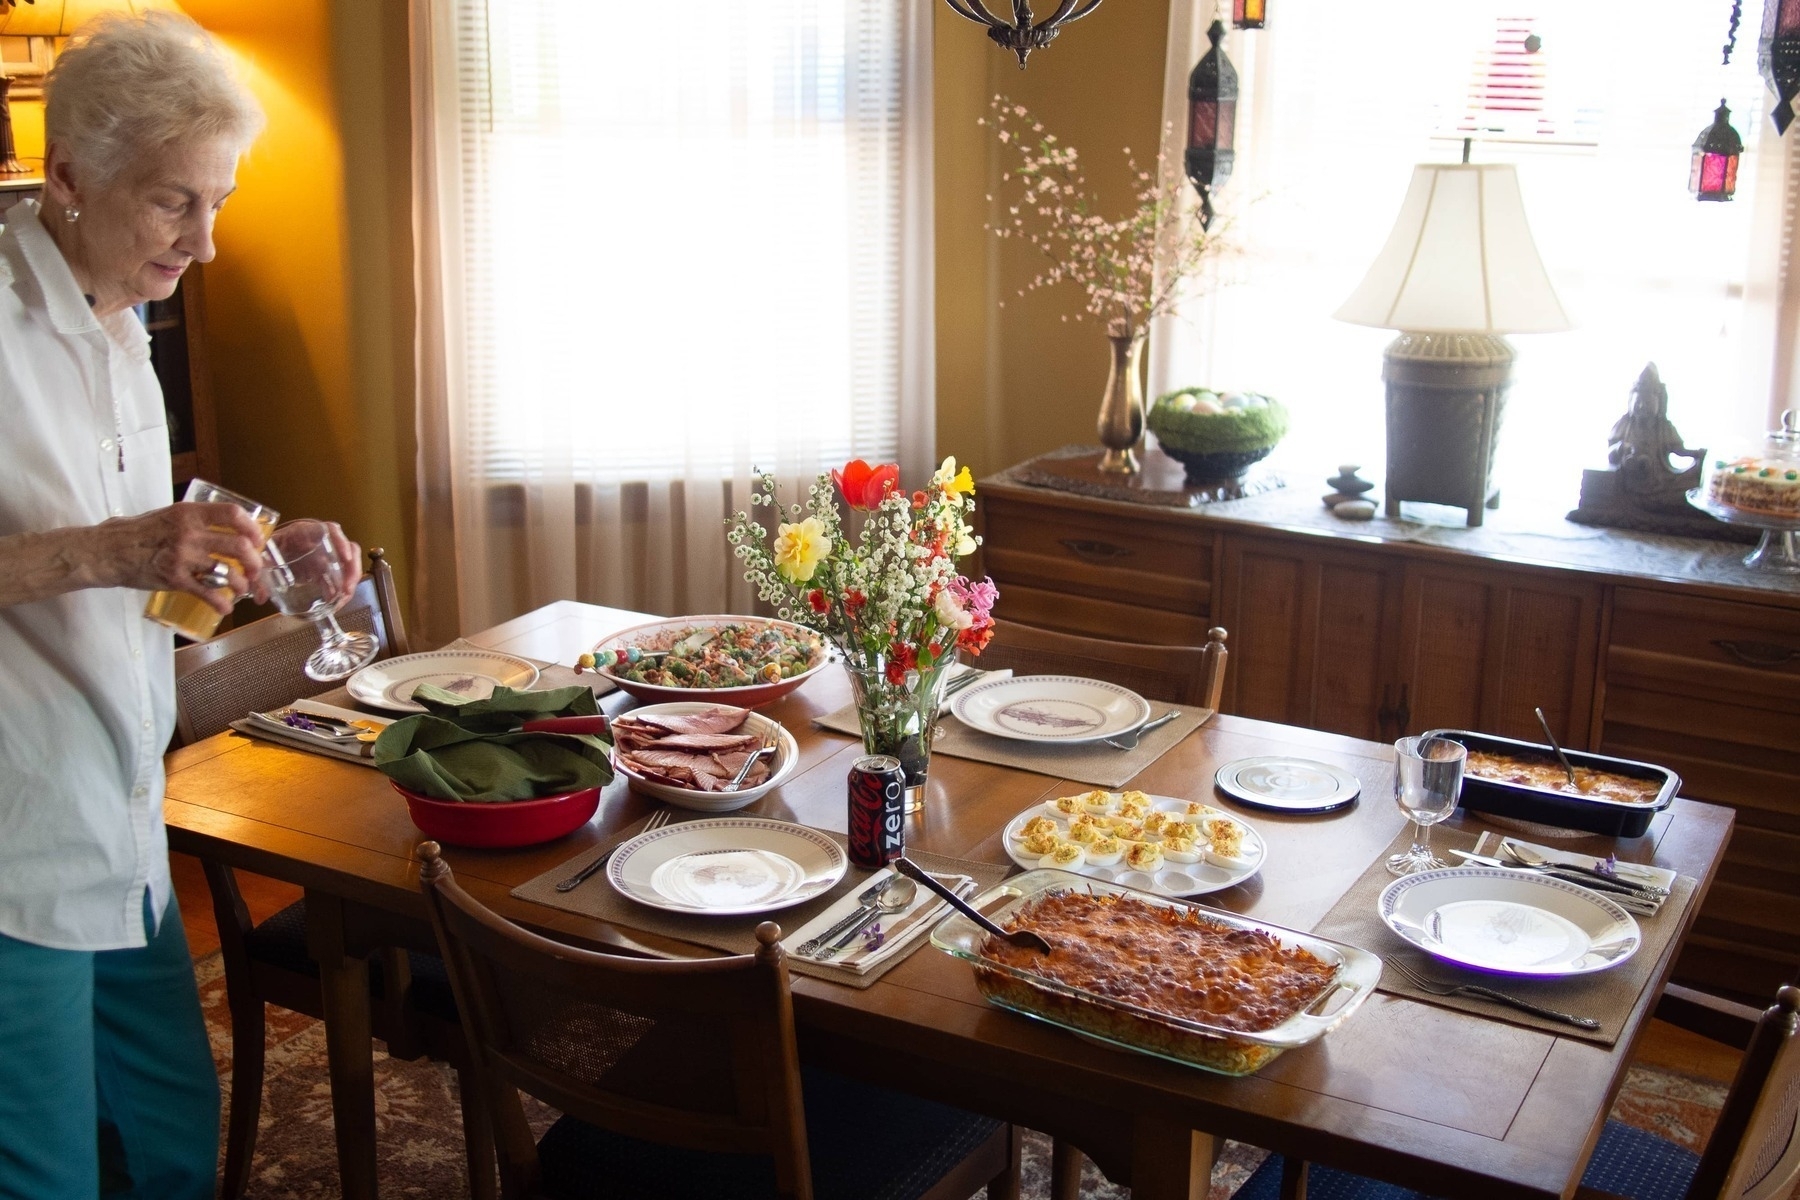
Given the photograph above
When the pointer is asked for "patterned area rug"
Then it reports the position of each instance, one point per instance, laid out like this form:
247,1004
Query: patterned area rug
419,1123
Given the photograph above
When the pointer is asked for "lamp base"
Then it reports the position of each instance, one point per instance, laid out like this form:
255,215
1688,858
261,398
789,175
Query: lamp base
1446,393
9,158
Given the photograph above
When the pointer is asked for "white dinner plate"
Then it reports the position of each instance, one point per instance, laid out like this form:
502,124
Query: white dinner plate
726,866
470,674
1051,708
1497,919
1172,878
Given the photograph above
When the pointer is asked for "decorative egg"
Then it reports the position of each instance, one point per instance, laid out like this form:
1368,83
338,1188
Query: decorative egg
1235,400
1208,407
1182,402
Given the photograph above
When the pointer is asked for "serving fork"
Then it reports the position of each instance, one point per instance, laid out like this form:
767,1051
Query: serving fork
657,820
1438,987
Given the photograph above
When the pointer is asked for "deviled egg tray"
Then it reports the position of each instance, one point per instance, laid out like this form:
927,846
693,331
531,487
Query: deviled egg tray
1157,844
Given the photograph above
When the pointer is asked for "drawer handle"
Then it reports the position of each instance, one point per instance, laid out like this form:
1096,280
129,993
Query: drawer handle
1766,655
1093,551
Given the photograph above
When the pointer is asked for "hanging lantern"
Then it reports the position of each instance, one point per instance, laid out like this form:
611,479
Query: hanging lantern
1778,56
1212,121
1716,152
1249,14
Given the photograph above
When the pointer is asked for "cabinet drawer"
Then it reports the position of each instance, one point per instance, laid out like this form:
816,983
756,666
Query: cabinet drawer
1097,618
1751,648
1084,554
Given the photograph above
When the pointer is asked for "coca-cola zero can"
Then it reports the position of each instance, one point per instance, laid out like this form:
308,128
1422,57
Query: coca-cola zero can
877,811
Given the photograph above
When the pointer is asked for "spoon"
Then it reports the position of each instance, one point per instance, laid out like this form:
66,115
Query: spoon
1560,756
1018,937
1532,858
896,893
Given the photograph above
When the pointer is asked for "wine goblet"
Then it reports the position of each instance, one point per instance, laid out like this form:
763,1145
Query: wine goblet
1428,775
307,579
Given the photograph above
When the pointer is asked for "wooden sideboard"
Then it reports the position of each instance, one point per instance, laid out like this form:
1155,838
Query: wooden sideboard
1661,649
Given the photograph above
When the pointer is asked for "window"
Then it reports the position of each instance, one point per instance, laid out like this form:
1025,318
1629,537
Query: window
1599,119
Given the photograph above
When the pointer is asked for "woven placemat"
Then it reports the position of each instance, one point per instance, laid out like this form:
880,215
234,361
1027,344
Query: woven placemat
1092,762
1607,996
734,935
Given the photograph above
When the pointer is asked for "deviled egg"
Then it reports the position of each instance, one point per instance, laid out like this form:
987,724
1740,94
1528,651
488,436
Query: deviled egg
1041,842
1067,857
1037,825
1086,833
1127,830
1182,849
1143,856
1100,802
1066,806
1105,852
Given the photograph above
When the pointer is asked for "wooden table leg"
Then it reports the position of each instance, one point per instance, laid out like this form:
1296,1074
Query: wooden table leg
1170,1161
1065,1170
1293,1178
344,980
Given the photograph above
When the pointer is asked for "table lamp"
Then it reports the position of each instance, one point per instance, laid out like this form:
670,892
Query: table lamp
1458,271
49,18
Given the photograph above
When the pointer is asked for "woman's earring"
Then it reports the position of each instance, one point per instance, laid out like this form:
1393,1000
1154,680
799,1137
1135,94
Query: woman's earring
71,214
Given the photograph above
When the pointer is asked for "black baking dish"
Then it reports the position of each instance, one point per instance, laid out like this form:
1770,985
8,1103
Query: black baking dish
1611,817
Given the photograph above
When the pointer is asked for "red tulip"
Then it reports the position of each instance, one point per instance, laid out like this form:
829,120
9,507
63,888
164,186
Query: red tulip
864,486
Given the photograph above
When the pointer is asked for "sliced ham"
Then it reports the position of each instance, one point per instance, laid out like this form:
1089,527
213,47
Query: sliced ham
696,750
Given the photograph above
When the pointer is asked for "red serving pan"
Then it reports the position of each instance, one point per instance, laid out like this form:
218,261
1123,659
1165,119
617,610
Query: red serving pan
501,824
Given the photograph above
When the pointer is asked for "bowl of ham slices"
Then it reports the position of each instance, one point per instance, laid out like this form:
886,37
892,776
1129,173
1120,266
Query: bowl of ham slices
687,753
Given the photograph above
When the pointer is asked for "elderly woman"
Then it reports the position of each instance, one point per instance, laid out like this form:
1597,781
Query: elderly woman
105,1071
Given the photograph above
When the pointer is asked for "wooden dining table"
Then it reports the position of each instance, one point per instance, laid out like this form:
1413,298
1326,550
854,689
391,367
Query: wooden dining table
1414,1093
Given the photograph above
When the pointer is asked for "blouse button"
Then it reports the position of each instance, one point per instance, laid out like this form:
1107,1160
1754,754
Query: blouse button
106,443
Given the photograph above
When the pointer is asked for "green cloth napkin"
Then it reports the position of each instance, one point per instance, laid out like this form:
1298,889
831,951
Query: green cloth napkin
475,751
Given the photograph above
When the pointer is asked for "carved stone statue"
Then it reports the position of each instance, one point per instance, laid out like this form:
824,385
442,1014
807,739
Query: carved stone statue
1643,488
1645,431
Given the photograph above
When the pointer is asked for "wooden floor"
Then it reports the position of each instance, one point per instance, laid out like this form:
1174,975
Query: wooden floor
1662,1045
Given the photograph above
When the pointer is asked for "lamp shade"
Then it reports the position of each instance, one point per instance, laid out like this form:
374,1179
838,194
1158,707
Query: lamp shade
1459,260
60,18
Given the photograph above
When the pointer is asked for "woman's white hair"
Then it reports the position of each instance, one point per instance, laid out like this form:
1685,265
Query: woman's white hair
128,86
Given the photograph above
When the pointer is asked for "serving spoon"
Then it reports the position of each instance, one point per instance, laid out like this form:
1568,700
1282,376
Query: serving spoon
1544,724
1018,937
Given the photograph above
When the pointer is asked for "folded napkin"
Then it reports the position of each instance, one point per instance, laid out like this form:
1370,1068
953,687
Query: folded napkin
1628,873
476,751
275,726
899,931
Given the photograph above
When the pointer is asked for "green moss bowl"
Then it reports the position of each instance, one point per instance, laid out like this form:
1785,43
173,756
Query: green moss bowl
1215,446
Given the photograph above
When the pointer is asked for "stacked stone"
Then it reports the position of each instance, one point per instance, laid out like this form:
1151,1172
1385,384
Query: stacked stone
1347,501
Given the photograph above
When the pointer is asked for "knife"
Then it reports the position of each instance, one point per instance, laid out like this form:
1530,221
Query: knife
1598,883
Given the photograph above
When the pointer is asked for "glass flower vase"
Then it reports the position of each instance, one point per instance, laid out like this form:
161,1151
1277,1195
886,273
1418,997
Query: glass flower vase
900,719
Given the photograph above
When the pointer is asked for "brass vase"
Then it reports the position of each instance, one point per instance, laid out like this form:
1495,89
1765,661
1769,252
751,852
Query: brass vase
1121,423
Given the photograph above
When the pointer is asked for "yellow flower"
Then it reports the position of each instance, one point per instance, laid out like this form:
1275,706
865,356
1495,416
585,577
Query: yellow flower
954,482
799,549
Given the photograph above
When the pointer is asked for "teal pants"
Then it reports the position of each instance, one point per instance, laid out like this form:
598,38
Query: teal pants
107,1085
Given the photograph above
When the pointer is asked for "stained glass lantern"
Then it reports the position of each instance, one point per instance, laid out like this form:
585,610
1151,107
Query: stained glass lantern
1249,14
1716,153
1778,56
1212,121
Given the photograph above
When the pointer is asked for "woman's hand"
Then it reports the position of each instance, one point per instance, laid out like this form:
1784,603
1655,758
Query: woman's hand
173,548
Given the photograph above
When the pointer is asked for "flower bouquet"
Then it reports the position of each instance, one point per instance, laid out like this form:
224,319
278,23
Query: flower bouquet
887,595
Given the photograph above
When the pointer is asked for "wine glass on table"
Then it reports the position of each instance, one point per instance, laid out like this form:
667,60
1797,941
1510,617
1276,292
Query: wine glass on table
1428,774
307,579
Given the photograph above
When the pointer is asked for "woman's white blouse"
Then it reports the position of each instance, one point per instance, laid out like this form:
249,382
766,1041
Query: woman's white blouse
87,685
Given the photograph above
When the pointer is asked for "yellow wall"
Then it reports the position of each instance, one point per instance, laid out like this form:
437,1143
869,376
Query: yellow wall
1016,381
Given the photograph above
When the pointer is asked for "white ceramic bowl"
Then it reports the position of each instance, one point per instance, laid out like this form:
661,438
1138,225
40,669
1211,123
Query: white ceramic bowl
787,757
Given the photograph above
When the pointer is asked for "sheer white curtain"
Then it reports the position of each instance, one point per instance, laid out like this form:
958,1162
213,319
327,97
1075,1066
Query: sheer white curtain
659,248
1337,107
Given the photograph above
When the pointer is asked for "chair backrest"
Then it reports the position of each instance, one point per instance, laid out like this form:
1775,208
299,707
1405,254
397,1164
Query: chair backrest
1183,674
1754,1151
693,1053
261,665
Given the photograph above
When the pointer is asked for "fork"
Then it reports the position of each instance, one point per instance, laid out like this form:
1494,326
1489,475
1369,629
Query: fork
768,747
1129,739
657,820
1438,987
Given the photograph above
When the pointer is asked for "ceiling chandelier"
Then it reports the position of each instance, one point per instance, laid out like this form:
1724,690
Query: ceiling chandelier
1021,36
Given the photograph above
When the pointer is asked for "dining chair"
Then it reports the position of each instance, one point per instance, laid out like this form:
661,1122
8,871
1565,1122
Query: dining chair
680,1078
1193,675
1753,1153
257,667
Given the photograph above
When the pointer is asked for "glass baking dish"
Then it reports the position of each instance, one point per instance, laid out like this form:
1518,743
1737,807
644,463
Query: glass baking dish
1119,1023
